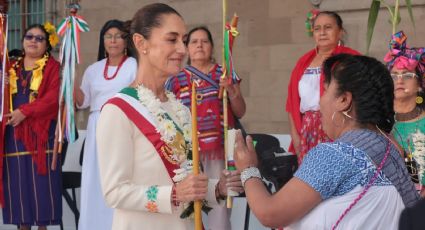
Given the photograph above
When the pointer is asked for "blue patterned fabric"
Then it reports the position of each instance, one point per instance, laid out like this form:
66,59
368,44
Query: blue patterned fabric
334,169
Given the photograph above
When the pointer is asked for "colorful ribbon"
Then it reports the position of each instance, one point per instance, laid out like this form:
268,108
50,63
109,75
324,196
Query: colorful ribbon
229,36
69,28
402,57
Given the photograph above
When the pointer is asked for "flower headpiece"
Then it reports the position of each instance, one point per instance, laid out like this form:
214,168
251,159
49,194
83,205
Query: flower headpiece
311,15
402,57
51,30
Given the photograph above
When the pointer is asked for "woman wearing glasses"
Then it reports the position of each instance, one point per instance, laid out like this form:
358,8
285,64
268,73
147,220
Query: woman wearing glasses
30,187
407,68
114,70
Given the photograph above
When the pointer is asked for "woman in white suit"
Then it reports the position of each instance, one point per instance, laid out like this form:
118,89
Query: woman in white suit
144,135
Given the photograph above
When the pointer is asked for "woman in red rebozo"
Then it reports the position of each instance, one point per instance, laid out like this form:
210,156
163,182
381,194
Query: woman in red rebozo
306,83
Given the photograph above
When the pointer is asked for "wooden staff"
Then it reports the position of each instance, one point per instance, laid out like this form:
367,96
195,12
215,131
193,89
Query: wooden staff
195,156
229,202
57,147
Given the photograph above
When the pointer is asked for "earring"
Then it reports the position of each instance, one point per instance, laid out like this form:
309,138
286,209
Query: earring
419,100
333,120
125,52
345,113
339,42
144,52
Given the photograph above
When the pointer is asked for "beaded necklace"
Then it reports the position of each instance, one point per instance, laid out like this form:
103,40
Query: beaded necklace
416,112
105,70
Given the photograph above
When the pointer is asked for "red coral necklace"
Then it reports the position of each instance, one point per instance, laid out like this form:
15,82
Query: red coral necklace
105,70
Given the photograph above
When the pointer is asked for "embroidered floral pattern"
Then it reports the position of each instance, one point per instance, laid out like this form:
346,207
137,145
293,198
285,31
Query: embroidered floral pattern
152,195
152,206
177,134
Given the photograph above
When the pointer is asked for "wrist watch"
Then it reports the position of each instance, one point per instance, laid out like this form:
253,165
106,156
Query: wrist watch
249,173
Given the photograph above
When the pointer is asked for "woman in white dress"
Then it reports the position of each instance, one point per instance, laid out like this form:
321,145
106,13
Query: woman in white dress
357,182
114,70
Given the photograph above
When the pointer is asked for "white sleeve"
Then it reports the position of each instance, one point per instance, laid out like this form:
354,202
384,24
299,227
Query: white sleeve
85,87
115,145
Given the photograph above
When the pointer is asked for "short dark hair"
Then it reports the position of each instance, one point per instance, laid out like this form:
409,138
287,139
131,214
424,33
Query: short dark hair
209,36
46,34
114,23
370,83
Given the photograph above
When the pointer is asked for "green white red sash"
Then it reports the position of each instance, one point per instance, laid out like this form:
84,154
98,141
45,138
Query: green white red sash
143,120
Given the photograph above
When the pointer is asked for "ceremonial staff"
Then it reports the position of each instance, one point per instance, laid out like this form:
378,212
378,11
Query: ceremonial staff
229,34
69,28
195,155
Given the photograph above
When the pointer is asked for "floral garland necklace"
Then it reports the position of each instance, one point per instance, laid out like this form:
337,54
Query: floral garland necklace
105,70
177,134
171,134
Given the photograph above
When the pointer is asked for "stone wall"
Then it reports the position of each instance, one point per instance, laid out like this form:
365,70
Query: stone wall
272,38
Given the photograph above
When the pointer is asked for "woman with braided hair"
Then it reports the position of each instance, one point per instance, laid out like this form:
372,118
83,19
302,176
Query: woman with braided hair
31,188
407,66
357,182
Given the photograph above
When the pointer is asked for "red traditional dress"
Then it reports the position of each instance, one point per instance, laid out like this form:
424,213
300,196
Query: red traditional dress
307,124
209,108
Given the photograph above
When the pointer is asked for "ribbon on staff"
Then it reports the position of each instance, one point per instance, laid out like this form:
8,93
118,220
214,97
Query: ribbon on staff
69,28
229,34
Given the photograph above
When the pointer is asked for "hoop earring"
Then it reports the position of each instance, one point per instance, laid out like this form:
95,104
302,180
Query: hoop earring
345,113
333,120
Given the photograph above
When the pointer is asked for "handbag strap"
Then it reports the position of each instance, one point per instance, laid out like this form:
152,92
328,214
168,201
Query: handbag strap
360,196
215,85
202,76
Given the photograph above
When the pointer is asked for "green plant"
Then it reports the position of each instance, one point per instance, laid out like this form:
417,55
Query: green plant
395,18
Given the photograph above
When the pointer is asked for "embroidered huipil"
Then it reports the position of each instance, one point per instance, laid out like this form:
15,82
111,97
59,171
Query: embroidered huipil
209,107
